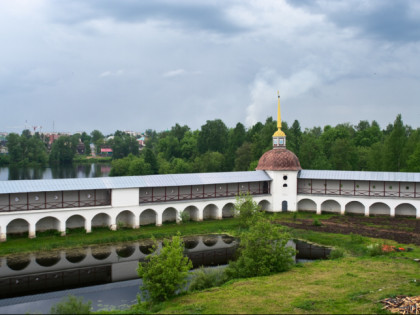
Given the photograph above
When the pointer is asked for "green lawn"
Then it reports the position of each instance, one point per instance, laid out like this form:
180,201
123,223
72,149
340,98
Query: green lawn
348,285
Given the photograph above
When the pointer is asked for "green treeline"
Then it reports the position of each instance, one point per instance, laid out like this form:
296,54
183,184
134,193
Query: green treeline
216,148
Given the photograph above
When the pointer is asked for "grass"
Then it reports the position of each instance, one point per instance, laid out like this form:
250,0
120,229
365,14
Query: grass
345,286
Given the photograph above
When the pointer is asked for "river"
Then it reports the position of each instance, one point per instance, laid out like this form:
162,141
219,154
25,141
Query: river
105,274
74,170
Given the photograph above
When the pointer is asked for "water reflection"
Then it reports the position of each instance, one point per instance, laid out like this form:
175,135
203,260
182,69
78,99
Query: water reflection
48,259
146,249
74,170
125,251
18,263
210,241
75,256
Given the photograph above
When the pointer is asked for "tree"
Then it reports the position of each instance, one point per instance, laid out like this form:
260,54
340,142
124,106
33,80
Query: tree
243,157
209,162
262,251
246,209
123,144
394,145
213,137
138,166
165,274
150,157
63,150
413,163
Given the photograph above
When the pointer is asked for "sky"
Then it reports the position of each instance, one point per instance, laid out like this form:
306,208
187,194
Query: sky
110,65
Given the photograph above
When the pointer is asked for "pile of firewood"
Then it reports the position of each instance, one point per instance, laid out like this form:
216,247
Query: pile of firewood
403,304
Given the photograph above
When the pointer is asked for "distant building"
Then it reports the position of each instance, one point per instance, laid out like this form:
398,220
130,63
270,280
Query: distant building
106,151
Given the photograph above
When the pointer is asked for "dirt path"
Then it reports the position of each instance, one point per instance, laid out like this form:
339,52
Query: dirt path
401,230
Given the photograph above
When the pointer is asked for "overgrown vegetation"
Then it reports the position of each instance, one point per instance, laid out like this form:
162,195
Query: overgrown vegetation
71,305
164,274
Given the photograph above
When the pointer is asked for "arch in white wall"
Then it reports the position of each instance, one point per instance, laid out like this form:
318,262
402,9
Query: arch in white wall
17,226
125,218
169,215
101,220
306,205
47,223
354,207
379,208
330,206
148,216
264,204
406,210
228,210
210,212
75,221
193,212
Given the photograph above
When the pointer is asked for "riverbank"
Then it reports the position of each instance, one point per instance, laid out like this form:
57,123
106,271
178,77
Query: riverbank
353,282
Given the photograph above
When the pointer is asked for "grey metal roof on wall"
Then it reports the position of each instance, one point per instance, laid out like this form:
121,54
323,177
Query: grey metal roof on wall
38,185
360,175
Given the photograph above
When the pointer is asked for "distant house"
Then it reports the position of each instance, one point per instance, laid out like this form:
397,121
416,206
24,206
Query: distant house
81,149
106,151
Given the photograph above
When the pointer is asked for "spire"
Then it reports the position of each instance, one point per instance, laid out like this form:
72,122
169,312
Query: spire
279,132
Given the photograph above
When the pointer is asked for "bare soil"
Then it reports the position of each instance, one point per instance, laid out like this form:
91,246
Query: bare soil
401,230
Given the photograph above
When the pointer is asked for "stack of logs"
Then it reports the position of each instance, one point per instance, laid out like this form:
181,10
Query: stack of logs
403,304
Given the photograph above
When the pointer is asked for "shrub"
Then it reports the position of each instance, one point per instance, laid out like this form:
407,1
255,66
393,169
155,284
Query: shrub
316,222
164,273
377,249
207,278
185,216
336,253
246,209
356,238
71,305
262,251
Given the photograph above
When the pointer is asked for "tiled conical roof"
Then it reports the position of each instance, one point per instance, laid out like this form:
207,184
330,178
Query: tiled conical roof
279,160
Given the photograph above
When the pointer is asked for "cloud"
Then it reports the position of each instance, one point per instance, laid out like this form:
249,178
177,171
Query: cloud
264,89
174,73
108,73
389,20
189,15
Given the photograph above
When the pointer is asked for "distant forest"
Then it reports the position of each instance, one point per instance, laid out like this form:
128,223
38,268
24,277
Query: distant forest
215,148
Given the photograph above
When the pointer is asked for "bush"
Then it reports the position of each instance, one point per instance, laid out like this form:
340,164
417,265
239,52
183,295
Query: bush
71,305
246,209
316,222
165,274
356,238
207,278
377,249
336,253
262,251
185,216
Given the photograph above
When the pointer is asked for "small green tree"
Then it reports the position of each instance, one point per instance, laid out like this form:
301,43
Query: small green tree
246,209
165,273
71,305
262,251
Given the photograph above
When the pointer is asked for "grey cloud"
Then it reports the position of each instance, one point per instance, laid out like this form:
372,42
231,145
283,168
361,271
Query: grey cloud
198,15
385,20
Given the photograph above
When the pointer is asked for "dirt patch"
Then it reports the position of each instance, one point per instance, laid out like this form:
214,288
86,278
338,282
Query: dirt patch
401,230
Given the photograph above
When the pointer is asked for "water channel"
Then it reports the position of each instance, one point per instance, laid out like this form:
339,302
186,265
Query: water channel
75,170
34,282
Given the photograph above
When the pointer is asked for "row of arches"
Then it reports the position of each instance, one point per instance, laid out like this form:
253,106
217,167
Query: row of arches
129,218
357,207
